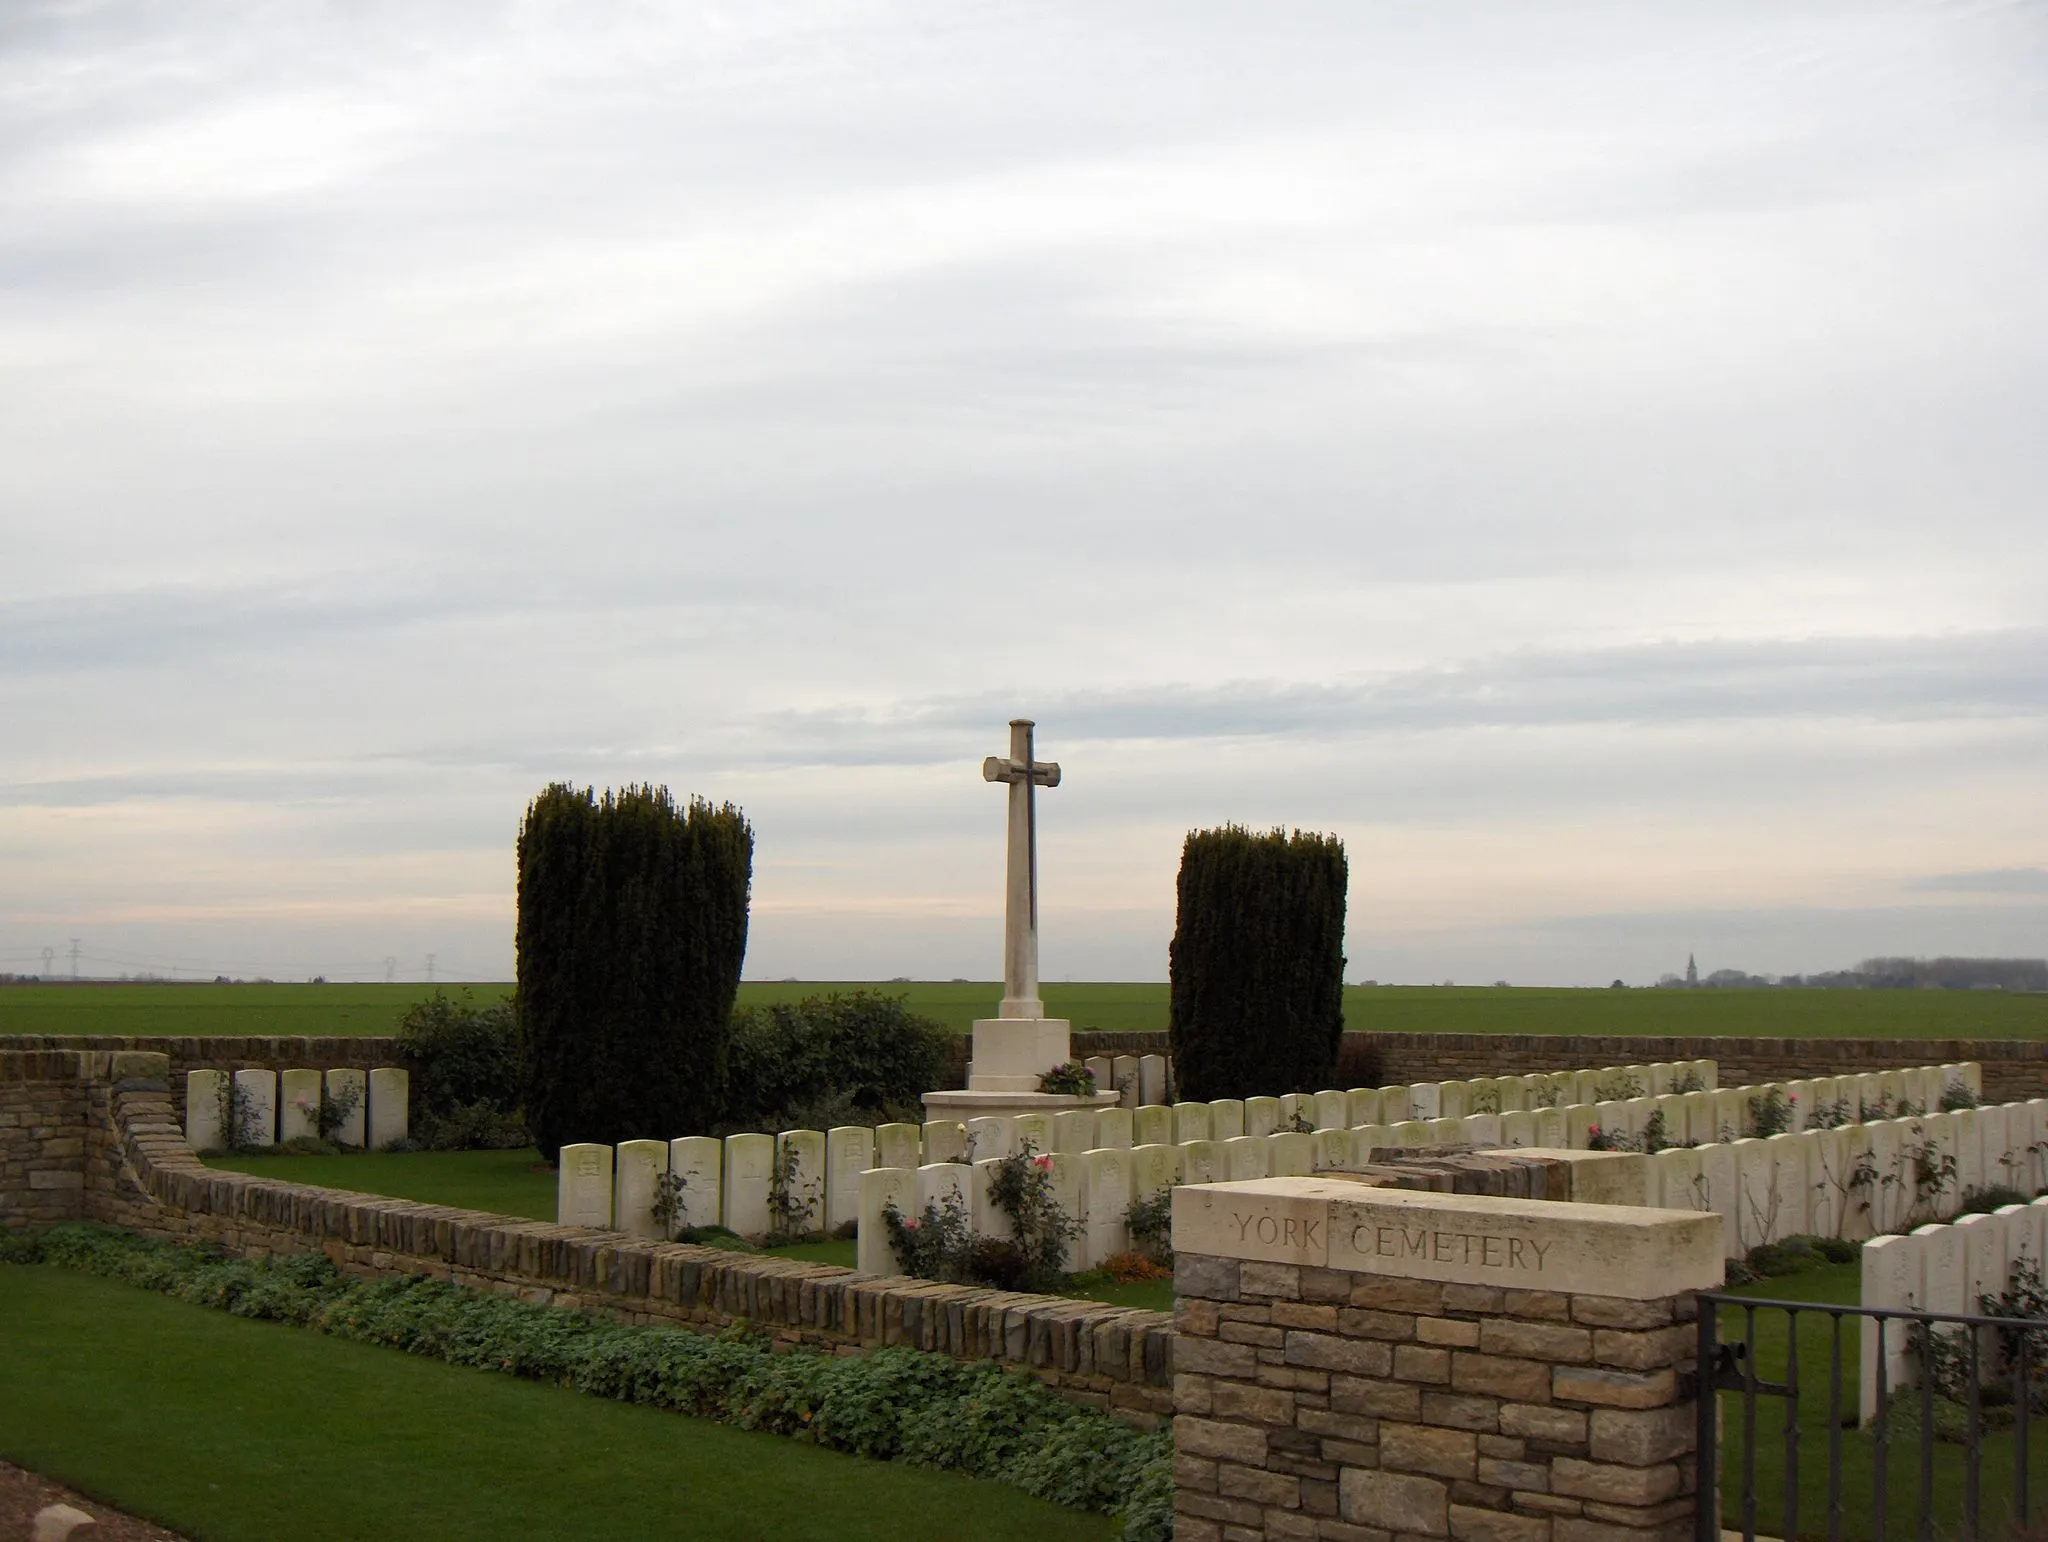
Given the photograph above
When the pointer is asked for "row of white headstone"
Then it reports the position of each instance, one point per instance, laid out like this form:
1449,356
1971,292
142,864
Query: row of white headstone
804,1181
1859,1181
1941,1268
285,1105
728,1183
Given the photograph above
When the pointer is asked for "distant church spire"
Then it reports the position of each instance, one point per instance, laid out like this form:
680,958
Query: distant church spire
1692,971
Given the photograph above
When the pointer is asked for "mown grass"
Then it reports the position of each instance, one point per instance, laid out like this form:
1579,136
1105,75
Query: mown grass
1840,1285
374,1009
232,1430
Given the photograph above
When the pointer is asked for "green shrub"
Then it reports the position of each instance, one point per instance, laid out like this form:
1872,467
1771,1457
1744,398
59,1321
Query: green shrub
1257,963
894,1405
464,1063
632,927
858,1057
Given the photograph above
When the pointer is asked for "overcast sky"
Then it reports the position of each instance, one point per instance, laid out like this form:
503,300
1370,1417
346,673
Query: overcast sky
1590,457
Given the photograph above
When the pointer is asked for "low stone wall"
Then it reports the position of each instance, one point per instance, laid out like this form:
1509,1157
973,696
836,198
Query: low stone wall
133,1169
220,1052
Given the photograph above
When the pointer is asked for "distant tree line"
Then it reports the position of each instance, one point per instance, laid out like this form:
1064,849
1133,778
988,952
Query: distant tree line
1894,974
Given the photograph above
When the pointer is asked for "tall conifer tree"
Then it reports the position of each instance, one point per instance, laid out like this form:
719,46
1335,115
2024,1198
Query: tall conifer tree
632,930
1257,963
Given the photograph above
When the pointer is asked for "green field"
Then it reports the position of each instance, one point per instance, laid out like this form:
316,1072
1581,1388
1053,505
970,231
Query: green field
233,1430
372,1009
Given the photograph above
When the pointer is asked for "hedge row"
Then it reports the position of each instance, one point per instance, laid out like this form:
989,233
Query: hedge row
902,1405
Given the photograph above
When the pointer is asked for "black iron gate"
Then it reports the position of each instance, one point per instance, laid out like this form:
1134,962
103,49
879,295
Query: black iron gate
1944,1452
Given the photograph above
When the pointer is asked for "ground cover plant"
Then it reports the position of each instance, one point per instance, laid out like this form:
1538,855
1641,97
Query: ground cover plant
149,1009
237,1430
900,1405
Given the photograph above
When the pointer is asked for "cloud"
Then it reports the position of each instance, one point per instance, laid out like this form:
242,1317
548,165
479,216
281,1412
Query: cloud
1997,880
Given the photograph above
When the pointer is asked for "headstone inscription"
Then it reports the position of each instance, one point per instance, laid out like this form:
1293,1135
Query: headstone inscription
204,1093
349,1089
698,1161
298,1105
390,1089
256,1091
636,1174
583,1186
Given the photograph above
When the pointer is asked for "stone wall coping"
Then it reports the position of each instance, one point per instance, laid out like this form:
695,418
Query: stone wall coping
1337,1223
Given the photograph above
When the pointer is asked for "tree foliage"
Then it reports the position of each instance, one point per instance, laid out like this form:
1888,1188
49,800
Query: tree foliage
632,929
1257,962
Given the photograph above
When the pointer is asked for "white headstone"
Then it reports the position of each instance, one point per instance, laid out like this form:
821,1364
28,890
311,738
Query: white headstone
1676,1173
1331,1111
298,1105
1226,1118
1332,1149
1794,1186
945,1140
1070,1192
1445,1132
1456,1099
1518,1129
849,1152
1891,1278
1412,1135
1484,1129
991,1135
583,1186
350,1089
204,1091
256,1091
899,1145
1152,1125
1756,1190
1514,1094
1579,1123
749,1161
1292,1154
883,1189
1297,1109
1859,1217
1112,1184
1662,1074
1969,1137
1551,1130
1151,1079
1115,1129
798,1210
1124,1071
1155,1169
1944,1272
1699,1117
984,1216
1261,1116
1249,1156
1722,1193
1890,1189
1394,1106
1199,1161
1073,1130
941,1186
1362,1106
699,1160
1034,1133
1367,1141
641,1164
1424,1101
2001,1171
1190,1122
1731,1115
1103,1069
1612,1118
390,1113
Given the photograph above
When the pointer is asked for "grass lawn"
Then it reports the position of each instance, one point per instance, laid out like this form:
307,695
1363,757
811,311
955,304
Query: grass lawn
375,1009
237,1431
1839,1285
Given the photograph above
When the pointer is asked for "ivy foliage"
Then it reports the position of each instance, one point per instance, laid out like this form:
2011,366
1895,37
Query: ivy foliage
1257,963
901,1405
464,1063
632,929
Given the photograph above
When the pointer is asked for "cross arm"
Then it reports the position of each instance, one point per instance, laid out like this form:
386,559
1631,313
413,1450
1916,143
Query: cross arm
1045,773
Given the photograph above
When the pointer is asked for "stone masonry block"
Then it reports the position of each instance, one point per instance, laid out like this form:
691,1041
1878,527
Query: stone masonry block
1282,1282
1613,1389
1471,1524
1532,1477
1617,1312
1611,1483
1356,1428
1643,1351
1357,1357
1421,1448
1237,1481
1194,1316
1481,1300
1639,1437
1562,1426
1193,1394
1543,1305
1418,1362
1401,1502
1536,1341
1522,1381
1211,1357
1577,1529
1224,1442
1366,1323
1318,1317
1448,1331
1455,1411
1253,1405
1380,1294
1375,1398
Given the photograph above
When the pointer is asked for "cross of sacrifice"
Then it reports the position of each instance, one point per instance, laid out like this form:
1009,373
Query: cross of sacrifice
1020,904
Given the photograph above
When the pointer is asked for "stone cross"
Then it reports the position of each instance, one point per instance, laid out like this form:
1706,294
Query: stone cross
1020,908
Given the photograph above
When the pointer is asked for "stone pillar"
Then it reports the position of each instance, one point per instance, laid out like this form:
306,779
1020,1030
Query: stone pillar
1361,1364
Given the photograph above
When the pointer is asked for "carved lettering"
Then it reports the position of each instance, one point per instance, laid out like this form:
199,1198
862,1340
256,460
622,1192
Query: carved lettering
1473,1249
